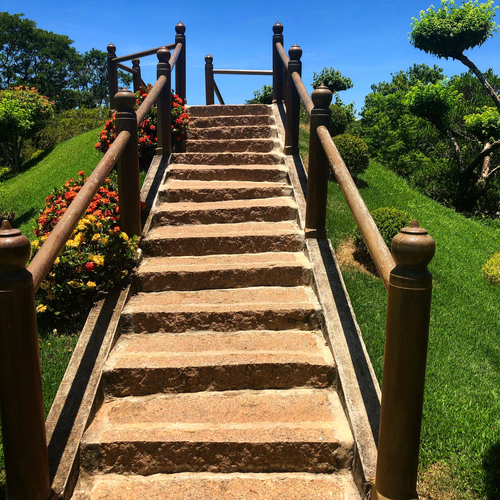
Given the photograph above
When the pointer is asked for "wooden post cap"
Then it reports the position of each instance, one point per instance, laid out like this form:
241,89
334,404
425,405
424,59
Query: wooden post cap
209,59
124,99
163,55
14,248
136,62
413,246
295,52
278,29
111,50
322,96
180,29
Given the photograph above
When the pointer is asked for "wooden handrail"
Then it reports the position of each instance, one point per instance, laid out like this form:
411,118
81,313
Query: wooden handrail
150,99
282,53
46,256
304,95
125,68
175,56
144,53
369,231
243,72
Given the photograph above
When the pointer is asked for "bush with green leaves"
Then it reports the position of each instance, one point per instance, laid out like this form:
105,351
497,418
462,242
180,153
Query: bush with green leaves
263,96
354,152
491,270
342,116
389,222
332,78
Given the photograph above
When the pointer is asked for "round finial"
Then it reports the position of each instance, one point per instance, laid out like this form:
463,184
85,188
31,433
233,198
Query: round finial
413,247
124,99
111,50
14,248
209,59
322,96
163,55
278,29
180,29
295,52
136,62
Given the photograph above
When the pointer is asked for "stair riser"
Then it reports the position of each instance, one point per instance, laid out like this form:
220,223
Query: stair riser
227,278
220,321
270,174
218,133
231,146
225,215
141,381
230,121
229,110
201,195
148,458
222,245
228,159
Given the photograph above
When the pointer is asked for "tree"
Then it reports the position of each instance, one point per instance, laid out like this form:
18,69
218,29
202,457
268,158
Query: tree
333,79
23,112
264,96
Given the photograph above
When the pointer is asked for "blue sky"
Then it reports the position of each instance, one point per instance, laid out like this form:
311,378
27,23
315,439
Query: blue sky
365,40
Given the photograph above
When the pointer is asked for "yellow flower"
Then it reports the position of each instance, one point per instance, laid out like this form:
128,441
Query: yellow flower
124,236
81,225
35,245
90,218
43,238
98,259
41,308
57,261
72,243
80,238
91,284
103,241
96,237
45,285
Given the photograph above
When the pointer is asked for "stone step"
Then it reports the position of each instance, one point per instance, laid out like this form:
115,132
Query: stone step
222,310
230,121
228,158
229,110
209,486
223,271
253,173
231,145
276,209
142,364
235,132
299,430
213,239
175,190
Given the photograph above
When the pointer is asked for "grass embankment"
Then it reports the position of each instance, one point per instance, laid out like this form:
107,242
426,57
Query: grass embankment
25,194
460,444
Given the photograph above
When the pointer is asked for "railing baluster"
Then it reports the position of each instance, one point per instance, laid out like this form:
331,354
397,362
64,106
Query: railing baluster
180,66
293,103
317,179
406,338
112,77
164,146
21,398
128,165
209,79
277,65
136,75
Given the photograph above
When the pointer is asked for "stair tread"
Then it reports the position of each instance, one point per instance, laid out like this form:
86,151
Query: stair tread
236,184
236,486
227,204
229,110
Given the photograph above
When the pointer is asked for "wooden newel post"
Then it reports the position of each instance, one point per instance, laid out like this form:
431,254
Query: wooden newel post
21,398
112,76
164,132
180,65
292,103
136,75
317,179
128,165
407,334
209,79
277,64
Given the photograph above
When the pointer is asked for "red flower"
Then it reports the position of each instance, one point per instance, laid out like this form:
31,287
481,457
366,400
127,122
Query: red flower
89,266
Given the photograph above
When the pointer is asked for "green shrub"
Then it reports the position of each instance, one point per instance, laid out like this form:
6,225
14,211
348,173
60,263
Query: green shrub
389,222
332,78
491,270
354,152
342,116
264,96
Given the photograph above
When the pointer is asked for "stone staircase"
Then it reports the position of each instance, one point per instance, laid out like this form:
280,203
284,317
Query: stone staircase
221,385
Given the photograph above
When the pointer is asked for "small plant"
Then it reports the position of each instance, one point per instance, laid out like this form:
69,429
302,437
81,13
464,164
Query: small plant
491,270
389,222
97,257
354,152
264,96
147,128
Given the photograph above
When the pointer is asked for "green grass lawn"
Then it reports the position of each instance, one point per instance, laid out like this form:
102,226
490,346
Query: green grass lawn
461,423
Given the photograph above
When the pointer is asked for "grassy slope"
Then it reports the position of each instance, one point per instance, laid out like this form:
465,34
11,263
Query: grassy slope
25,194
461,426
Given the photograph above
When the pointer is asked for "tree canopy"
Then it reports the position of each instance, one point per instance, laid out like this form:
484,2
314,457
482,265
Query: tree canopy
333,79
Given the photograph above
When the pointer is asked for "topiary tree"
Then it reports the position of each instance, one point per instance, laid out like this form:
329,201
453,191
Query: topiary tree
332,78
354,152
23,112
264,96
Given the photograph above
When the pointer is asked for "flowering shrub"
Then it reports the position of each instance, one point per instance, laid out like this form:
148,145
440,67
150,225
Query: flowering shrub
97,257
147,128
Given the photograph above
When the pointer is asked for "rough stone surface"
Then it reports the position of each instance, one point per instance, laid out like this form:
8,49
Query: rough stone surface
253,173
230,110
228,158
231,121
231,145
249,132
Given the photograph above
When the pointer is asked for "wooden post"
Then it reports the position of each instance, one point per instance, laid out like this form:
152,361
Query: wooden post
293,103
164,105
112,77
407,334
317,179
180,65
136,75
209,79
128,165
277,64
21,398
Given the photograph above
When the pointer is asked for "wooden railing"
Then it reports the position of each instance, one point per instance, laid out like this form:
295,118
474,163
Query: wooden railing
404,274
21,399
